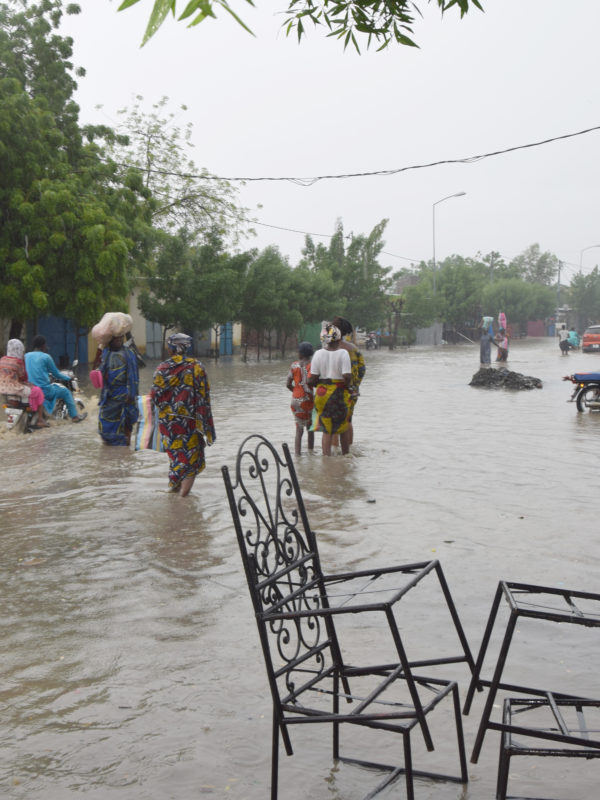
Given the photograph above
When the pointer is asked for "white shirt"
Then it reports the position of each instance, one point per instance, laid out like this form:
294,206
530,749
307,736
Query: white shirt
331,364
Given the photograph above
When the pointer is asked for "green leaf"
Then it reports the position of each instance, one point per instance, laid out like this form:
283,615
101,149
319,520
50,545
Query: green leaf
159,13
126,4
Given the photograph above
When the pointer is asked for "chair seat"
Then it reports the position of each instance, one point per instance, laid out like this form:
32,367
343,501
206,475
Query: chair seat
547,726
544,603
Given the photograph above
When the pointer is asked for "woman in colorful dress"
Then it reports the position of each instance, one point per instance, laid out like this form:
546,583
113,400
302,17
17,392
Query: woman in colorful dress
181,393
357,361
13,380
117,409
331,373
302,395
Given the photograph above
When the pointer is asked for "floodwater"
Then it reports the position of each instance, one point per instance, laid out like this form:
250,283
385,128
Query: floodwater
130,665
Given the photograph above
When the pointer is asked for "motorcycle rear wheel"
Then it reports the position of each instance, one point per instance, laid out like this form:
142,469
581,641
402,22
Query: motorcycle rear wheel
588,398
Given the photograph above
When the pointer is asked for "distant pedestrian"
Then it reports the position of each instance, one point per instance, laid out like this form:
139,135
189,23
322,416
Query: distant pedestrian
485,346
181,393
502,343
563,340
302,395
574,340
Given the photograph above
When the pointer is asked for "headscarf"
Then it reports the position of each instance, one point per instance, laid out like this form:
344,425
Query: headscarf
330,334
179,343
15,348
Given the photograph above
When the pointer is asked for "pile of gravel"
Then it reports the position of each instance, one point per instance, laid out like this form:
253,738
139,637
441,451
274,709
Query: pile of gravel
492,378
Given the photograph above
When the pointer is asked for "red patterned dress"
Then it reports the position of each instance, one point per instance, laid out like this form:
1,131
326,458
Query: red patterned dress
181,393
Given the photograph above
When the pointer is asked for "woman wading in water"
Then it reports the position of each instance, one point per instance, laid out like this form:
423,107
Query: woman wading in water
331,374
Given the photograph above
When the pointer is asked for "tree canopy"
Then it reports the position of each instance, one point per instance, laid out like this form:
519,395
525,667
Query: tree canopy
65,236
378,22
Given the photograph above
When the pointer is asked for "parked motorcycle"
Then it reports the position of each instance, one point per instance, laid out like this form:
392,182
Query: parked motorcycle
586,393
18,413
60,408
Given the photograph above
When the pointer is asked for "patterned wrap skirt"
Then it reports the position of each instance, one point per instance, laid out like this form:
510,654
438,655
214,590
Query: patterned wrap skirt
333,407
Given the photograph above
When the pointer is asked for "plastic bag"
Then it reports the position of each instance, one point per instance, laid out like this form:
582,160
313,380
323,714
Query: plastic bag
113,323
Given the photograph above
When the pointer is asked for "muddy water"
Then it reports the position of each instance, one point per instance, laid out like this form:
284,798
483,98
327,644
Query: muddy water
130,665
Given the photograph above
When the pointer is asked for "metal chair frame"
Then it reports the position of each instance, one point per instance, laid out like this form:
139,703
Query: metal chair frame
582,741
525,600
298,620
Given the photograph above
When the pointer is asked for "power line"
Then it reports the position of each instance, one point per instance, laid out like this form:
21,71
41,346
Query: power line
329,236
375,173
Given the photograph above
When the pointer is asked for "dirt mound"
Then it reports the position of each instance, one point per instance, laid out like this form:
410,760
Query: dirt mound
503,378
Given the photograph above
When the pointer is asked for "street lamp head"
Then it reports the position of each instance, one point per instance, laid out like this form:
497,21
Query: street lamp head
459,194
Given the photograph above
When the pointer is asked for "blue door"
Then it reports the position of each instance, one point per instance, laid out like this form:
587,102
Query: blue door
226,339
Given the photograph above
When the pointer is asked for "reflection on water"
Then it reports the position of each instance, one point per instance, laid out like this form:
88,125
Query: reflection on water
130,665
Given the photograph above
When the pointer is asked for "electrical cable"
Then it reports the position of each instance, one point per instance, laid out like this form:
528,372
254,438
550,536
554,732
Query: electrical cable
376,173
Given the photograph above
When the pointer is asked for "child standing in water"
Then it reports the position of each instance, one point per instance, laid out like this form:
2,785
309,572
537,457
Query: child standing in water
302,395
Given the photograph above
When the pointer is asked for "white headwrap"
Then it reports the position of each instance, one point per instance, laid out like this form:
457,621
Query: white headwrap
15,348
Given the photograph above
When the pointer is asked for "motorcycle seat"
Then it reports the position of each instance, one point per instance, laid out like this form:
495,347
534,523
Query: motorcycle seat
587,377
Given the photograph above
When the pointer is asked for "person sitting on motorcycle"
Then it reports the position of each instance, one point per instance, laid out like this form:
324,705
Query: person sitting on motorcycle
13,380
40,366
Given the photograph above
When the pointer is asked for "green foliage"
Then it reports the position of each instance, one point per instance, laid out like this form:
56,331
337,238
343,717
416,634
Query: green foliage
379,21
535,266
354,274
70,226
194,285
266,293
584,297
156,148
519,299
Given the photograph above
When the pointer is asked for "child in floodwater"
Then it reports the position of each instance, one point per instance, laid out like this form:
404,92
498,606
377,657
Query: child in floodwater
502,343
302,395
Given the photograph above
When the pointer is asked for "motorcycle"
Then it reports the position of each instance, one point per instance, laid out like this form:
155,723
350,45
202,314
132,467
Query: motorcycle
60,407
19,413
586,393
372,341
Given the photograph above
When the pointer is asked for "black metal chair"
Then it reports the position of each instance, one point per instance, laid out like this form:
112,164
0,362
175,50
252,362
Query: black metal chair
300,613
543,603
560,727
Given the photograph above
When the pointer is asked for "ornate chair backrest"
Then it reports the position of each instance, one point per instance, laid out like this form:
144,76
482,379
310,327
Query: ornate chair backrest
282,566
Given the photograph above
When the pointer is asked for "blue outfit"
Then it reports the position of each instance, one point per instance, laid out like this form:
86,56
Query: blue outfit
40,366
485,347
118,409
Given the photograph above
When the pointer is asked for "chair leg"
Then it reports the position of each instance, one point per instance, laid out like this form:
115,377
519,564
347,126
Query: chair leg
493,689
410,682
503,768
482,650
408,774
460,739
275,757
455,618
336,710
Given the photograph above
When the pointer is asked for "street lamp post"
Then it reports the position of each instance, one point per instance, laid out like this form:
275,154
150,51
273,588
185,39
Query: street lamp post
581,252
437,202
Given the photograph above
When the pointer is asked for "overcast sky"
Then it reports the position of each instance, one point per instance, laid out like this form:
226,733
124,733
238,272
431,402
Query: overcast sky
264,106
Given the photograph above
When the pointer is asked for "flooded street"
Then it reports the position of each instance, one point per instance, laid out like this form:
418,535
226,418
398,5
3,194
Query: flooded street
130,663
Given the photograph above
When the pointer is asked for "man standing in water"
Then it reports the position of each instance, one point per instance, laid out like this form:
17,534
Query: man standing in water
563,340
